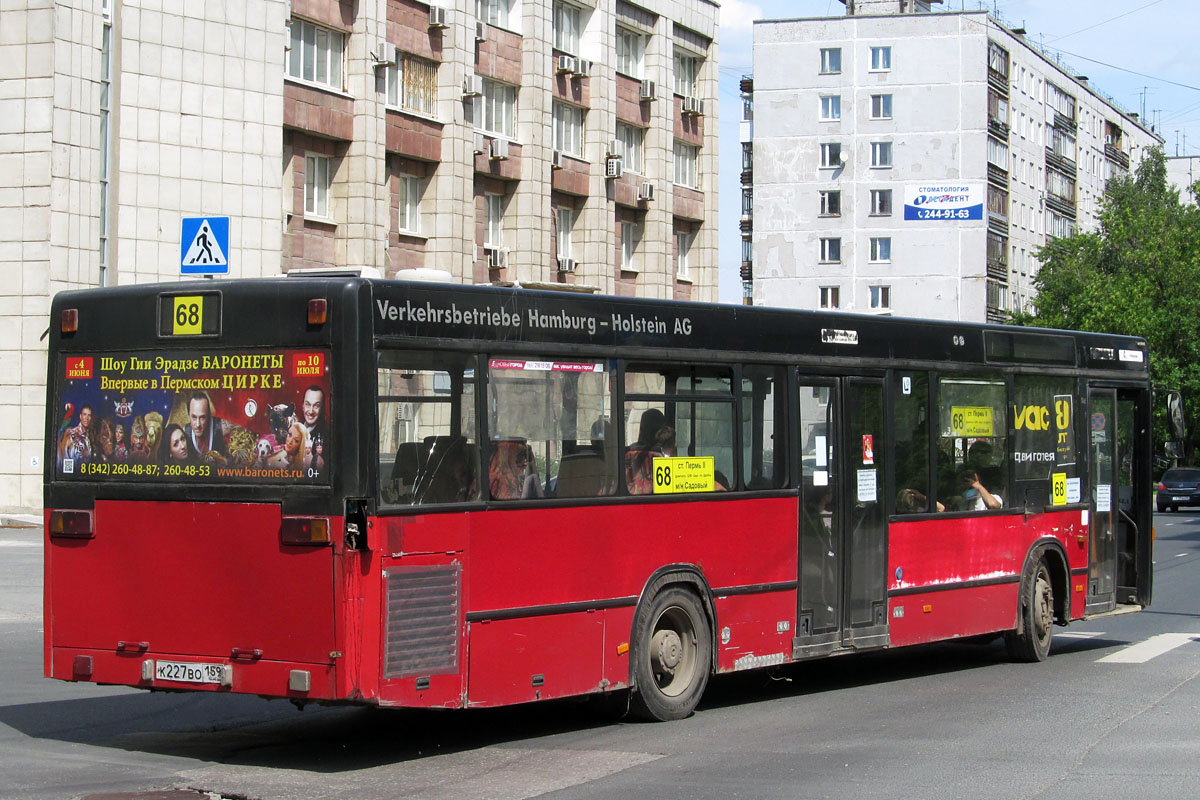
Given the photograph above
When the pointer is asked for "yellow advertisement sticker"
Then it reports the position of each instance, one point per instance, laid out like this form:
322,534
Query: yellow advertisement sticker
684,474
972,421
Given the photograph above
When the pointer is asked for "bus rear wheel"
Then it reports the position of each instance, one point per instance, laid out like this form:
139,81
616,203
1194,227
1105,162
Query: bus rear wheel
1035,620
672,655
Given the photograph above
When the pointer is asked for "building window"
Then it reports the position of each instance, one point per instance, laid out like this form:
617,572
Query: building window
566,28
831,107
881,202
685,165
831,204
683,246
632,141
499,105
881,248
831,250
316,54
881,59
566,225
881,106
830,297
409,190
881,298
831,60
881,154
997,154
493,230
747,201
316,186
631,238
493,12
687,69
747,155
831,154
568,128
631,48
412,84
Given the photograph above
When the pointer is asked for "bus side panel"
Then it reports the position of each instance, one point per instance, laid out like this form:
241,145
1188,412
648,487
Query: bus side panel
520,660
760,629
972,569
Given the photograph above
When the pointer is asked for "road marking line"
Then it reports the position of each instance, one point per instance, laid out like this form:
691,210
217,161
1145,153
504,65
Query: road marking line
20,544
1078,634
1142,652
1180,555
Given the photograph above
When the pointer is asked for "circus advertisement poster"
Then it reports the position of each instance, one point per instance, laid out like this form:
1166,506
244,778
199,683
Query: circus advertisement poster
196,416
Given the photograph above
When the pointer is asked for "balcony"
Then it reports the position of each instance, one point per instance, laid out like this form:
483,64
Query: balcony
998,129
1061,204
748,176
998,81
997,175
747,270
1114,154
747,84
1060,163
1064,123
747,224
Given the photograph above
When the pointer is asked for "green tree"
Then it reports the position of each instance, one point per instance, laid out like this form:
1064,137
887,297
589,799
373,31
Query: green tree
1137,274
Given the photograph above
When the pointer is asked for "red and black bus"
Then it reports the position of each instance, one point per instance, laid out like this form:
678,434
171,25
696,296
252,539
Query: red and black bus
346,490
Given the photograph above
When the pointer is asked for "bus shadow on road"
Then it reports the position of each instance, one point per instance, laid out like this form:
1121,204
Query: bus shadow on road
248,731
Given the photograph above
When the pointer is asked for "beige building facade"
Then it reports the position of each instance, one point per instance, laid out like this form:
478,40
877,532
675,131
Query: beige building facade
545,142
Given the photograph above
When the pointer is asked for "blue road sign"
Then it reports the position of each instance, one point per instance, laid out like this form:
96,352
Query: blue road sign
204,246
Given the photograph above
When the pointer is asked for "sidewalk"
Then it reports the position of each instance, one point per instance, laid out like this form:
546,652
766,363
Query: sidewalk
20,521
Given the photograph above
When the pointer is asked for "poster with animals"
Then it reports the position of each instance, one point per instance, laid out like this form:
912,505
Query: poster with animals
236,417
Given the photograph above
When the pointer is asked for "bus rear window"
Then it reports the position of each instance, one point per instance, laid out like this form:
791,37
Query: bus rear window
240,417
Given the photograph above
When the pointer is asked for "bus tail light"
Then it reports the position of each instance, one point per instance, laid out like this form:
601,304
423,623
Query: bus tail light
70,320
304,530
316,311
71,524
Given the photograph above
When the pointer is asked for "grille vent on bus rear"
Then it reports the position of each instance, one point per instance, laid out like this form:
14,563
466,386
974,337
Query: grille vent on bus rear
422,621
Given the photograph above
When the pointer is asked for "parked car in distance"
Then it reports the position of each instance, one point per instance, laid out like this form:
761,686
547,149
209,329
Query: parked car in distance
1179,487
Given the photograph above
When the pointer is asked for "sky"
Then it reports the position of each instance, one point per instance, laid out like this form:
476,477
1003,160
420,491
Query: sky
1141,53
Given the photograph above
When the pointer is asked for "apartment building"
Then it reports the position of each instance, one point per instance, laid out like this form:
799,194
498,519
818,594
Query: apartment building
902,160
559,143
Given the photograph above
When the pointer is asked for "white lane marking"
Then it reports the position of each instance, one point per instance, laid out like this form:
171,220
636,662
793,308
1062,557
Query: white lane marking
20,544
1142,652
1180,555
1078,634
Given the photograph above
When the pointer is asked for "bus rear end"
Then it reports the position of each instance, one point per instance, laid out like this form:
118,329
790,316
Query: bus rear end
194,539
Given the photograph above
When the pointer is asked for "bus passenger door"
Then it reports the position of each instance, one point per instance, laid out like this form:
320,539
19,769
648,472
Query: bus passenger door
842,594
1102,553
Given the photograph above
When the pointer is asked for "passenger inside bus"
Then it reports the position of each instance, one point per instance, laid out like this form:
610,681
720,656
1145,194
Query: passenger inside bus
912,501
975,496
655,439
512,471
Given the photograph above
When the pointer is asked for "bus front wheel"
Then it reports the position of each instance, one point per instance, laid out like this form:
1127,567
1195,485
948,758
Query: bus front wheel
1035,621
673,651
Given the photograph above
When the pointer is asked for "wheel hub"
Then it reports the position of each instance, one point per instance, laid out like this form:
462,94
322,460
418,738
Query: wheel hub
667,651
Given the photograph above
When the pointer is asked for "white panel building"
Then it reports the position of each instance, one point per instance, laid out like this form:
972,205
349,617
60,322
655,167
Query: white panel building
910,162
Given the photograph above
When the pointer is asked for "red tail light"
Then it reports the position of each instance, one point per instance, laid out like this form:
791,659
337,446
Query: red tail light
71,524
1161,487
304,530
316,311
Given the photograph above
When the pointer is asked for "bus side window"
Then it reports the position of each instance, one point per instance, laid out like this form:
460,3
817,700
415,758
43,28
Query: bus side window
549,429
426,415
763,416
910,429
972,443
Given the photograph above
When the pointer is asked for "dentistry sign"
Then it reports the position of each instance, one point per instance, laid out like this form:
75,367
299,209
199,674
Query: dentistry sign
950,200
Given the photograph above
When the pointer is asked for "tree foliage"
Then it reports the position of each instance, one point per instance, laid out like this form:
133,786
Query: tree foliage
1137,274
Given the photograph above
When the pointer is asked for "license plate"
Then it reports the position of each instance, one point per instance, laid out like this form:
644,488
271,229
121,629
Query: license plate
188,672
1181,499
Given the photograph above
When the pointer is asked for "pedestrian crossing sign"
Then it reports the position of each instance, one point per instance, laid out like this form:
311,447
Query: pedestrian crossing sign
204,246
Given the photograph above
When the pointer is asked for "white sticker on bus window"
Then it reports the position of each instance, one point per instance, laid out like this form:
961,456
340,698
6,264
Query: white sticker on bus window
822,453
820,478
866,486
1133,356
1103,498
1074,490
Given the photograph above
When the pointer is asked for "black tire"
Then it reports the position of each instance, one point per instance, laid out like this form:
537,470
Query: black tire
1162,508
1030,641
672,652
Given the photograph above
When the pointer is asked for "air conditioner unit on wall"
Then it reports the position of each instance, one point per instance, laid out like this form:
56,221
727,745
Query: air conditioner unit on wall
556,159
566,64
616,148
649,90
566,265
481,31
613,168
583,67
437,17
498,149
693,106
646,191
497,257
386,55
473,86
480,143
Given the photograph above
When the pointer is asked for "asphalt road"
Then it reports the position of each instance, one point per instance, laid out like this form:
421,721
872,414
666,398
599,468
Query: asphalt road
946,721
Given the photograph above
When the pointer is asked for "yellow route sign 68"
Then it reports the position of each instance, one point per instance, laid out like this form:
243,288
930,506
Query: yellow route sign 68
972,421
684,474
188,316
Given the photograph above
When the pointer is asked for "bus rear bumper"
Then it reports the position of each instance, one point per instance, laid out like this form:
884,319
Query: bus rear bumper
142,669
